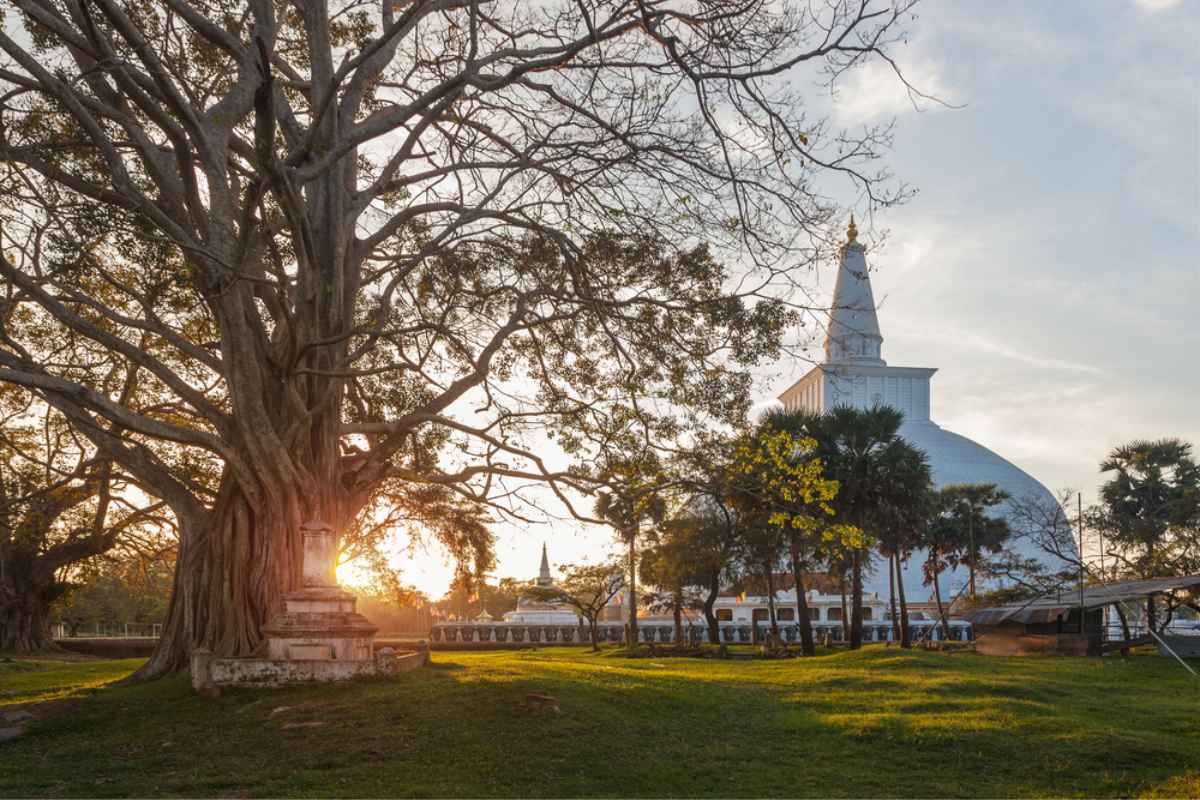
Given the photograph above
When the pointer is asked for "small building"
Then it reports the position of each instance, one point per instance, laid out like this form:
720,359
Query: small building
826,609
1073,622
743,616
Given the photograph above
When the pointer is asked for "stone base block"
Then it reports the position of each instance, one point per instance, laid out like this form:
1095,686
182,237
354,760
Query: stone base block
320,600
310,652
319,648
208,671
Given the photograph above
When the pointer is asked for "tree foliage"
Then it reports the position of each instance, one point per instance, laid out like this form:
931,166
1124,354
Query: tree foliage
61,505
353,243
784,503
965,529
780,475
1150,507
113,591
863,451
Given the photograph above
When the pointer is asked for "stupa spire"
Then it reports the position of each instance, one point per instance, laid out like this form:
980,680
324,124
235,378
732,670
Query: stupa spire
544,578
853,335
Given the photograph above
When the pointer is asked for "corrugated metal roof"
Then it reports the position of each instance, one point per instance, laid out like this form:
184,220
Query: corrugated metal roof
1049,607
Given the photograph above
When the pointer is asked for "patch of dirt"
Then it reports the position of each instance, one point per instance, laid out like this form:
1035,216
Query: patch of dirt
537,702
14,717
39,710
306,707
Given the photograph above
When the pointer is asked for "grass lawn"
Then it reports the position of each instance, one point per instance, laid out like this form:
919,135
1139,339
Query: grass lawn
51,677
874,723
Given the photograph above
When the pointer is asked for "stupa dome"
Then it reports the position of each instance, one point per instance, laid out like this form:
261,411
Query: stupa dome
855,374
954,458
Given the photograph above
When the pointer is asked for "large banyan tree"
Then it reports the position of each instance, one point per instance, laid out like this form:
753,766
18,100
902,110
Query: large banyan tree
360,249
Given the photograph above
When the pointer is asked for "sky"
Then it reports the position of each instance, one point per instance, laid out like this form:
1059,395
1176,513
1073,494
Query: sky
1049,265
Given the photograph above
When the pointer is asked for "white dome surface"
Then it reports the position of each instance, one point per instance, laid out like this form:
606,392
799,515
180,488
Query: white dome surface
957,459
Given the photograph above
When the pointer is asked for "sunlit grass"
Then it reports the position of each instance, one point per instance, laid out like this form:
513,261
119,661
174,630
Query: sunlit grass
32,680
875,723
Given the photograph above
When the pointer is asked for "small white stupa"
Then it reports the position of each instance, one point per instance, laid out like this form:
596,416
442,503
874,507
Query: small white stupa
535,611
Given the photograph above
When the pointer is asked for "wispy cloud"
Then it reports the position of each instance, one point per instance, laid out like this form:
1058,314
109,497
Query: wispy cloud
1153,6
963,340
874,92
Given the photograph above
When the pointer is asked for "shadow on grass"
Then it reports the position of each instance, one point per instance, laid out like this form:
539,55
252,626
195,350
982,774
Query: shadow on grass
858,725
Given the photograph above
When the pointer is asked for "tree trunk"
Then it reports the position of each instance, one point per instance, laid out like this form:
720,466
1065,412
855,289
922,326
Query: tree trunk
974,555
856,592
771,603
892,596
677,609
714,589
27,589
1124,627
23,623
845,612
595,630
633,622
807,645
232,571
937,593
905,632
1150,613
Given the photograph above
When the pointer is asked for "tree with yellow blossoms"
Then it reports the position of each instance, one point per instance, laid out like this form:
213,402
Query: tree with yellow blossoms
786,500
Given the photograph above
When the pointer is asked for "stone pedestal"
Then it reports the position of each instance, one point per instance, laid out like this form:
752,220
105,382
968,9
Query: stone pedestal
319,636
320,624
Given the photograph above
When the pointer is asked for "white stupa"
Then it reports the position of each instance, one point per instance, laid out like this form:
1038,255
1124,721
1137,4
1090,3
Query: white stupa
534,610
854,373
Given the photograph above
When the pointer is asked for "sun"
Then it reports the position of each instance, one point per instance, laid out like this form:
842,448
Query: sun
429,570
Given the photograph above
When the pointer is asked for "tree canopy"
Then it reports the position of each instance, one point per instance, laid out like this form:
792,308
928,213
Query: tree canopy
1150,507
347,243
61,506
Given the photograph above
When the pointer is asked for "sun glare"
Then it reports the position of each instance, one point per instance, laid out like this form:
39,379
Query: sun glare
428,571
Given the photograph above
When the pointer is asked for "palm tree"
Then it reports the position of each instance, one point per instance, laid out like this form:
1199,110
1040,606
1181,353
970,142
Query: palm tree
906,495
854,444
984,532
1155,490
626,509
960,531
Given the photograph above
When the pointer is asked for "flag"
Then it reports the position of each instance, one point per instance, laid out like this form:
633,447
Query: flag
741,598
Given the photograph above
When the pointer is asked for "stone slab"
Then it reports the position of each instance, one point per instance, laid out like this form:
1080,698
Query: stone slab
210,671
319,624
318,606
340,648
310,652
